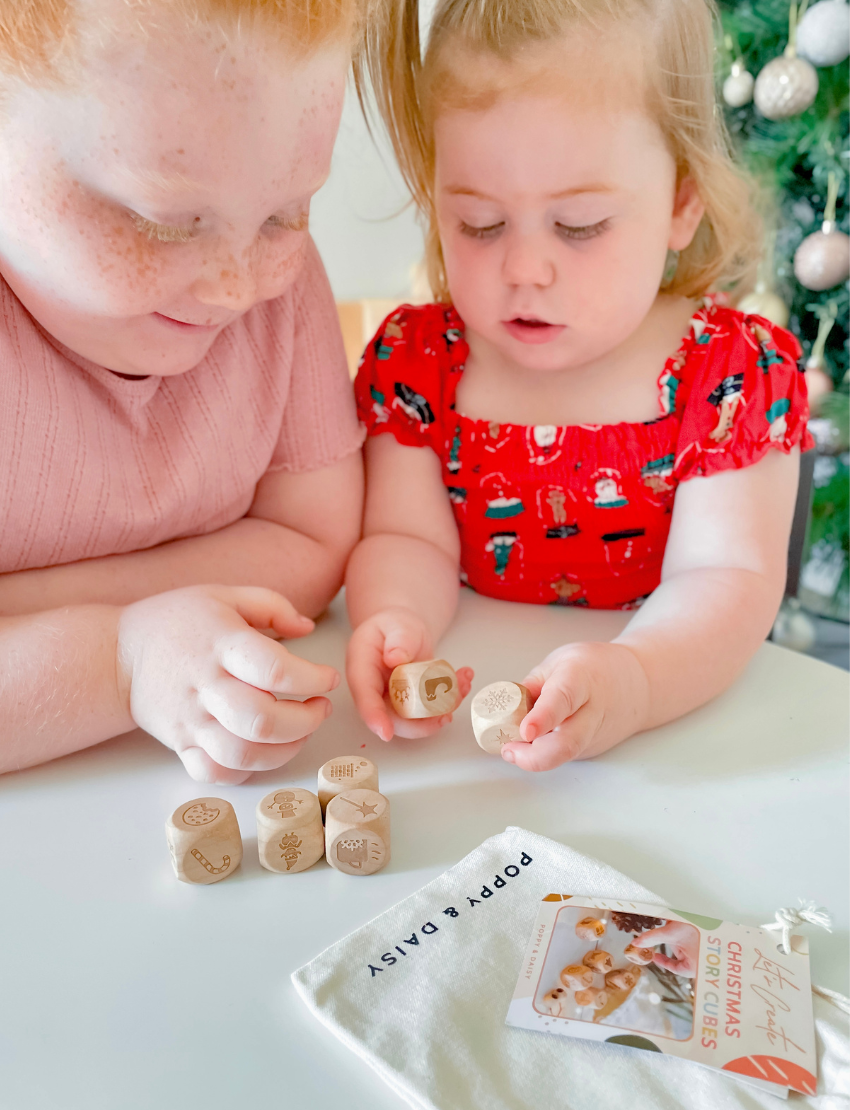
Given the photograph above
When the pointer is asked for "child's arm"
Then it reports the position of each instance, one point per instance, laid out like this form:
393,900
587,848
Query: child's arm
402,579
721,584
190,666
295,540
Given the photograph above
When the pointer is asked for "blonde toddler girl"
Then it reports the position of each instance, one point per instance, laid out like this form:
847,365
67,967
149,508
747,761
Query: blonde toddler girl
577,421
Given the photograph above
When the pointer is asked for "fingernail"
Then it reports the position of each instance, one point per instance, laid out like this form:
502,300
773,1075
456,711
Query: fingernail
508,756
328,709
336,682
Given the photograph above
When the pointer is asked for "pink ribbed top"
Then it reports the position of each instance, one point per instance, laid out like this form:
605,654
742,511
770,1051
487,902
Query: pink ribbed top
92,464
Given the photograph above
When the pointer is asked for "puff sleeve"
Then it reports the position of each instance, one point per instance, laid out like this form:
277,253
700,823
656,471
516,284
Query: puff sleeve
402,382
740,394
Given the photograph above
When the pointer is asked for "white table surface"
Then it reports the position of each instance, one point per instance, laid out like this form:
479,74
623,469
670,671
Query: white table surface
123,989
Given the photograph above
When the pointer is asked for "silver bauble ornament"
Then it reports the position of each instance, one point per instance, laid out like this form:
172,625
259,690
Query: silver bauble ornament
822,260
738,86
824,33
785,87
764,302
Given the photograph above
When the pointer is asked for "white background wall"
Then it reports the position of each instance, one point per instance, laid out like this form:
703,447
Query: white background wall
368,239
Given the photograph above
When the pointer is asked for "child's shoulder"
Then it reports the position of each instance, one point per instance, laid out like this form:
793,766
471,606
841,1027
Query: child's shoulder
724,331
407,376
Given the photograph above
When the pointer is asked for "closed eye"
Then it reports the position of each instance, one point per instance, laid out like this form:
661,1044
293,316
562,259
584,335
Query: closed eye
589,231
290,223
488,232
164,233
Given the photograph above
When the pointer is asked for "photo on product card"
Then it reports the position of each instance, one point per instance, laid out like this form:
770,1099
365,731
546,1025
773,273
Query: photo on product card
622,969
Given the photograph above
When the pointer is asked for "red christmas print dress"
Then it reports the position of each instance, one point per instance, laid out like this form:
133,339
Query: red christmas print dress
579,515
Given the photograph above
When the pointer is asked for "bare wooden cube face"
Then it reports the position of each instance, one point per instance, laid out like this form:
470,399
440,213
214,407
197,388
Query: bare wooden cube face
426,689
346,772
204,840
497,712
290,836
357,832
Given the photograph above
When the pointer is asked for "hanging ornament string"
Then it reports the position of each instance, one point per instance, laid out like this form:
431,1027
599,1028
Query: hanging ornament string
806,913
824,328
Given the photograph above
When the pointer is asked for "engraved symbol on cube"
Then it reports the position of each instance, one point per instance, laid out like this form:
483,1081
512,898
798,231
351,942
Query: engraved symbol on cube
400,691
352,852
200,814
498,699
207,866
432,686
365,809
284,802
289,845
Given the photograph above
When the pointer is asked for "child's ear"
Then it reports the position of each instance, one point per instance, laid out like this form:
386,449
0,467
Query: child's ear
688,210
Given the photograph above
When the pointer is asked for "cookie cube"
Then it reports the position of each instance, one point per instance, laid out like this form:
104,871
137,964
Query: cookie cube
555,1002
204,840
622,978
426,689
290,835
497,712
597,960
357,832
638,955
345,772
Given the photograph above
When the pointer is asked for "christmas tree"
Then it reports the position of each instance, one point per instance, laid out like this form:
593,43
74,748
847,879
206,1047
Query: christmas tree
799,154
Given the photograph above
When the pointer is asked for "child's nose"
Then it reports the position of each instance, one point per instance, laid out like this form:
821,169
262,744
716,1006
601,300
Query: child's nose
527,262
228,280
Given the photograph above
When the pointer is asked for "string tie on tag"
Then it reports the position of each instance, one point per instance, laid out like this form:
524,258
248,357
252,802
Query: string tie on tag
790,917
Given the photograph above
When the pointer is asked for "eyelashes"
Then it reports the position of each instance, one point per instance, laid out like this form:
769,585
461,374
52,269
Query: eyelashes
167,233
589,231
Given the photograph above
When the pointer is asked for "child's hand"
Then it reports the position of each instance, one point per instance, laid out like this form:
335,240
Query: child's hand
377,647
682,940
589,697
198,673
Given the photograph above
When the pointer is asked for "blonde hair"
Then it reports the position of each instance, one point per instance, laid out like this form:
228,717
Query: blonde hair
40,39
410,90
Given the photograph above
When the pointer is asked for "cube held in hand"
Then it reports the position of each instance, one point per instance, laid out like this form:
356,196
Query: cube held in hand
497,711
426,689
204,840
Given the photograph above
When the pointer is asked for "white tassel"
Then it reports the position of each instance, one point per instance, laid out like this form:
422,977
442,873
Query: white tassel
789,918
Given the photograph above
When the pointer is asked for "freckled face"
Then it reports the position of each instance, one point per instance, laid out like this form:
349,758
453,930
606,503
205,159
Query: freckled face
145,211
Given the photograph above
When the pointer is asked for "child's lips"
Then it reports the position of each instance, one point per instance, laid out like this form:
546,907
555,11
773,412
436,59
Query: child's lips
531,330
185,325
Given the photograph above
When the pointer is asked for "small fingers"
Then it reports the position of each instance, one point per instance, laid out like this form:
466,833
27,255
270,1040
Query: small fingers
263,608
465,676
202,768
402,644
667,962
267,665
257,716
546,752
561,696
366,680
237,754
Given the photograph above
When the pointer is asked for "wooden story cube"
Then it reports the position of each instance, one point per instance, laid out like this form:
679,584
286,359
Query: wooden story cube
597,960
622,978
590,928
290,834
638,955
345,772
576,976
204,840
426,689
357,832
497,712
595,997
554,1002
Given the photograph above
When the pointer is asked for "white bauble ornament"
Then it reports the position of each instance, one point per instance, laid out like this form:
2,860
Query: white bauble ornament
738,86
793,628
763,302
822,260
785,87
823,36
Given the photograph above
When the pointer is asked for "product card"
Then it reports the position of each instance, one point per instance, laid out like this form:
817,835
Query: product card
652,978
